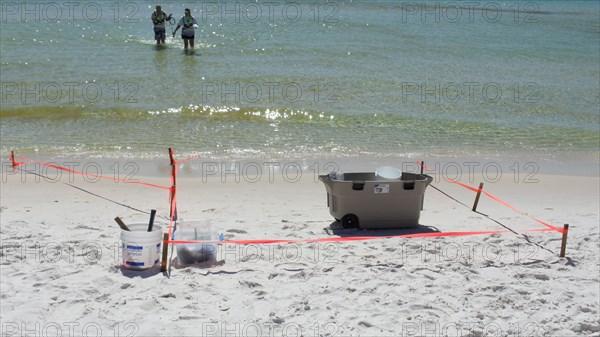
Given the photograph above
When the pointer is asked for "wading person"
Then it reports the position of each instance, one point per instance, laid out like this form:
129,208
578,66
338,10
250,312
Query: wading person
187,32
158,19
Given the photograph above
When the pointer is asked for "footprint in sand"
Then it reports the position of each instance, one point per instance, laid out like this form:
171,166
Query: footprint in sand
250,284
260,294
292,266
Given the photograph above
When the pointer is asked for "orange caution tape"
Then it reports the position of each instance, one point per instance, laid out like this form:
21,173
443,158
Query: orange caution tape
495,198
173,193
82,173
353,238
173,213
14,163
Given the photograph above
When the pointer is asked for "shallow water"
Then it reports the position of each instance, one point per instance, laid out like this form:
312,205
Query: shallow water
302,79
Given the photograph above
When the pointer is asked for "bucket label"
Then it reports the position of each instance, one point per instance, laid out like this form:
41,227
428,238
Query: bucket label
143,256
134,264
381,188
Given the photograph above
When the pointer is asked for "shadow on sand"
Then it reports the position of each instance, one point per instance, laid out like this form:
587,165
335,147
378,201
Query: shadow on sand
335,228
131,273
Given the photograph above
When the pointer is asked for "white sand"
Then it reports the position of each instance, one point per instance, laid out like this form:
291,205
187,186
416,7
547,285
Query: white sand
60,264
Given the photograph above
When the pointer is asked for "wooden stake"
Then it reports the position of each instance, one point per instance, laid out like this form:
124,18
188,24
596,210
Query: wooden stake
122,224
173,212
165,253
563,245
423,197
477,197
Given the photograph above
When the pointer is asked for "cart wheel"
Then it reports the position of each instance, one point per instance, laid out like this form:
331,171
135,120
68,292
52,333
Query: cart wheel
350,221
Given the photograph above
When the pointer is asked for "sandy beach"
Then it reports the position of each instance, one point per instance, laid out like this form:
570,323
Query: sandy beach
273,95
62,276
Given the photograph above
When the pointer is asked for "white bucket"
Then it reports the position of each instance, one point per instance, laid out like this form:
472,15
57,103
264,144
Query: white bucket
388,172
141,249
195,230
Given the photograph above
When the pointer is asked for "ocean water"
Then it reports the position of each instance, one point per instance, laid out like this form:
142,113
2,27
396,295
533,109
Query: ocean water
285,79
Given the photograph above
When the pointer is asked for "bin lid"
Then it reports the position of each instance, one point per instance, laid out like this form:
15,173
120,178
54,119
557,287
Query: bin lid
388,172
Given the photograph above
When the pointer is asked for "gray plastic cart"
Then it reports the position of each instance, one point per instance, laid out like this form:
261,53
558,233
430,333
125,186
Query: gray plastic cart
366,200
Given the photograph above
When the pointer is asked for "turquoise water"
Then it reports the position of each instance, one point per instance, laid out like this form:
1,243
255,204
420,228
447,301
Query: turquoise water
301,79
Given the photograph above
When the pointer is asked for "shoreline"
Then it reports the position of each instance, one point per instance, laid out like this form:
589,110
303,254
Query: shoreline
475,169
